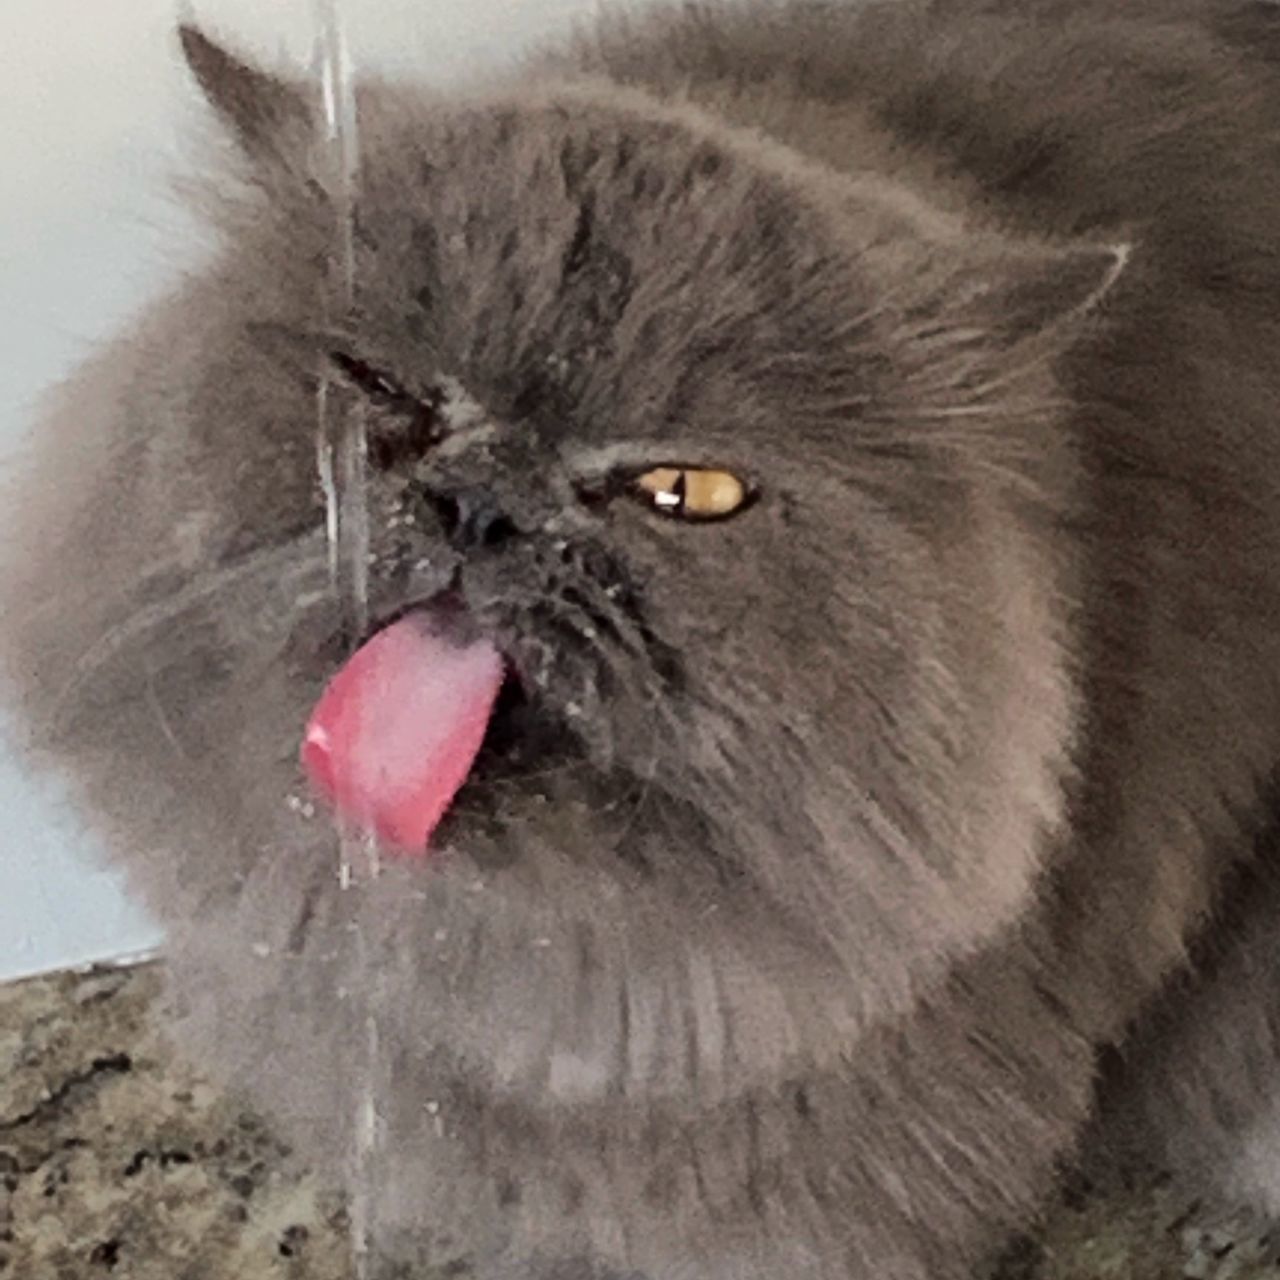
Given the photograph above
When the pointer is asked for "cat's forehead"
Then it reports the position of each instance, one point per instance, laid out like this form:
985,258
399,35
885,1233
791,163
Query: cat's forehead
611,267
566,228
518,155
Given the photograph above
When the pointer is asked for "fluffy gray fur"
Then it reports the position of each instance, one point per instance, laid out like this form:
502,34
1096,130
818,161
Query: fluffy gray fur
837,839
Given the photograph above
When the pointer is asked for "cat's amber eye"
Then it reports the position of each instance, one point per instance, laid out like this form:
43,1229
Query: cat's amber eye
694,493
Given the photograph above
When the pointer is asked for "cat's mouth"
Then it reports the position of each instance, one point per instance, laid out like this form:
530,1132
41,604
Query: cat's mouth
426,708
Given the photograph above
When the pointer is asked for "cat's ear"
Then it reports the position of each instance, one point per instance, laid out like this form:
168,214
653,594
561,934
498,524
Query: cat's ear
1031,293
262,110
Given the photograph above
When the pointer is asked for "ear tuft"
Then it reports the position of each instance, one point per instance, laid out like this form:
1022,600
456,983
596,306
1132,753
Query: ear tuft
1037,292
259,107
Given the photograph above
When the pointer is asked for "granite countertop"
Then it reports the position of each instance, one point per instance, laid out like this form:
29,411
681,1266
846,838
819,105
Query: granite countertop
116,1160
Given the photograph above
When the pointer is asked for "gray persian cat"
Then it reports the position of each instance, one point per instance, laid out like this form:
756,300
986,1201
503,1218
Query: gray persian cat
857,428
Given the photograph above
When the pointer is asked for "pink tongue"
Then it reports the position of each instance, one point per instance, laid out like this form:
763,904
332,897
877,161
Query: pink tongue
397,730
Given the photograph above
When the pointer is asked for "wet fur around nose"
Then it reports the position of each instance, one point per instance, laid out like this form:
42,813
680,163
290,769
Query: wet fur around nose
815,854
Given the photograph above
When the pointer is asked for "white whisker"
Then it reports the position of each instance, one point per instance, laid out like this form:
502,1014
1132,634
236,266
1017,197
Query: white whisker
153,701
287,560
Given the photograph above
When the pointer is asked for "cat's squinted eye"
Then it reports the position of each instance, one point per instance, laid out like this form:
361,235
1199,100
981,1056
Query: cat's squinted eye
407,425
693,493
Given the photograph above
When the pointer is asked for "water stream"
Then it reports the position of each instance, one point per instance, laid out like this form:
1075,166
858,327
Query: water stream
341,448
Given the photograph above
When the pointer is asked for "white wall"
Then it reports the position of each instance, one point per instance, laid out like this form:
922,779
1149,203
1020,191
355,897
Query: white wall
91,94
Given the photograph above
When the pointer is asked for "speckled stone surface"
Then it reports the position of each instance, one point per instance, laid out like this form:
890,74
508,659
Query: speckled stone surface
116,1160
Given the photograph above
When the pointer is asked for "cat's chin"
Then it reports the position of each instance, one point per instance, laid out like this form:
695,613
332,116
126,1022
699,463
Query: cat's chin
552,972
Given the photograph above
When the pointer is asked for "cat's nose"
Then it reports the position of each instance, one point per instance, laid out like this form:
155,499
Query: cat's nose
472,518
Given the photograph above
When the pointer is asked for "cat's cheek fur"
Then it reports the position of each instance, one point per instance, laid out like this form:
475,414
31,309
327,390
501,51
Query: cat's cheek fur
930,825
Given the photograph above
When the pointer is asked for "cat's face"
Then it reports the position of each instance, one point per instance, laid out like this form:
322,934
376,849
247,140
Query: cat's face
764,776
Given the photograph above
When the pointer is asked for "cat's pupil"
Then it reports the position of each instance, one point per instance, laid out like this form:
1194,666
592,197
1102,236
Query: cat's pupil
673,498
